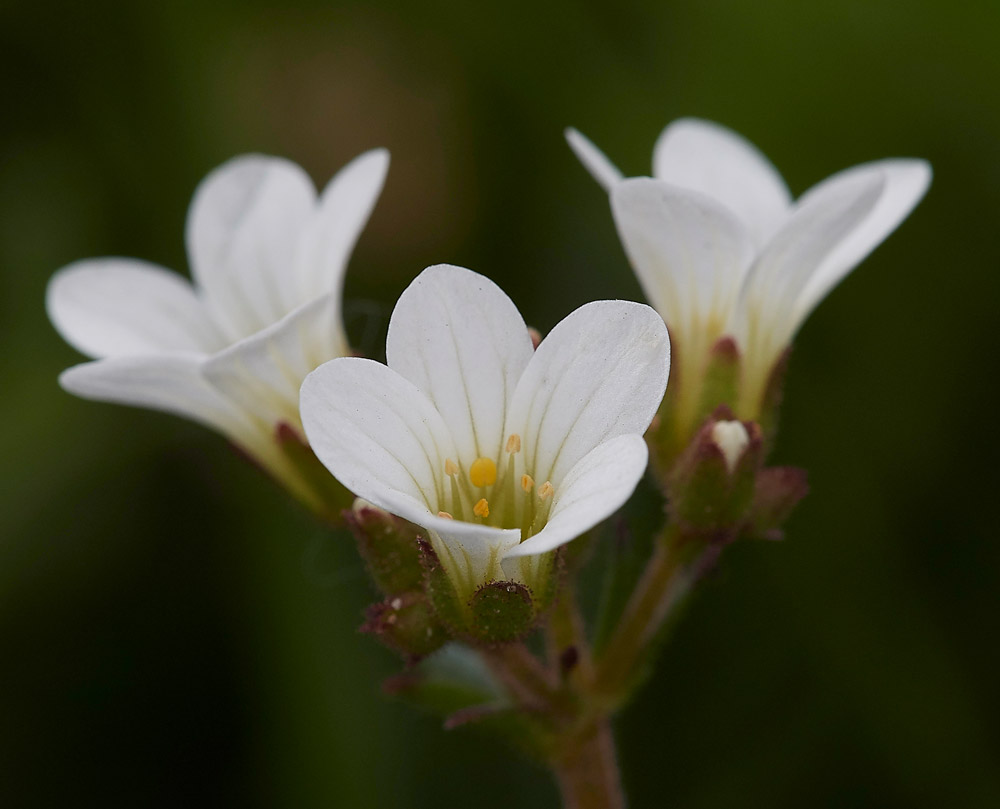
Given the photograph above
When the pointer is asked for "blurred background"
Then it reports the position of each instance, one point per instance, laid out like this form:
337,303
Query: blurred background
175,632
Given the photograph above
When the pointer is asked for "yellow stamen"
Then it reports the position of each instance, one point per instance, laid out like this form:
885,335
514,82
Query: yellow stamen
450,467
446,515
483,472
514,443
527,482
481,509
545,490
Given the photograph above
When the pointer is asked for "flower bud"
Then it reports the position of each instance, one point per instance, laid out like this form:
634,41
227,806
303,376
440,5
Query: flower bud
407,624
712,484
389,545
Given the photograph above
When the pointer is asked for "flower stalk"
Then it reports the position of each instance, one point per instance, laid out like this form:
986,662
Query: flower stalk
674,568
587,772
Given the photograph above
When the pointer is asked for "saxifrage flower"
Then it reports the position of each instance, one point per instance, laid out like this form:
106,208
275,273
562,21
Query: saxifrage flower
501,452
720,248
231,349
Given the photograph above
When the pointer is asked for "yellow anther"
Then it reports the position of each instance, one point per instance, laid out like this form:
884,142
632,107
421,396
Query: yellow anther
527,482
450,467
514,443
483,472
445,515
481,509
545,490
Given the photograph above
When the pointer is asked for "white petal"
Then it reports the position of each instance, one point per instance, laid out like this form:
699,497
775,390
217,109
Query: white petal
594,489
172,383
264,372
376,432
332,231
593,159
457,337
767,316
906,182
471,553
689,252
242,232
119,306
600,373
716,161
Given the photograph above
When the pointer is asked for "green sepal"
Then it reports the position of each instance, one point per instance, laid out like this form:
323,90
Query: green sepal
407,624
307,479
721,380
440,591
389,546
770,406
778,490
502,611
714,382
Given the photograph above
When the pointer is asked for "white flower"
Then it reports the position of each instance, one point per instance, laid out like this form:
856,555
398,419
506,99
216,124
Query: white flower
720,248
502,453
230,350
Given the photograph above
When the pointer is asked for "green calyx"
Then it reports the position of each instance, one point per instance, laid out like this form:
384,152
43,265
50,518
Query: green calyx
299,470
389,545
502,611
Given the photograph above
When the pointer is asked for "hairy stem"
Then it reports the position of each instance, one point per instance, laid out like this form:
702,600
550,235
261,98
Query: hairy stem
668,578
587,770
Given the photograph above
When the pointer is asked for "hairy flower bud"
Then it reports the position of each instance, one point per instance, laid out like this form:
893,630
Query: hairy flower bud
712,484
389,545
407,624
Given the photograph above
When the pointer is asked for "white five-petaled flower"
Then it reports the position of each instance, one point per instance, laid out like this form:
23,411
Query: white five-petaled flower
230,350
501,452
721,249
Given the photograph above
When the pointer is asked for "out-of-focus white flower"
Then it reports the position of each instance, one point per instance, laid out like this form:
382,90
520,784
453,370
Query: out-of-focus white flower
231,349
720,247
502,453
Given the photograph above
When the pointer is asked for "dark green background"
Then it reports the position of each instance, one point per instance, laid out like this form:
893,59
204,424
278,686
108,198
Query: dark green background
173,632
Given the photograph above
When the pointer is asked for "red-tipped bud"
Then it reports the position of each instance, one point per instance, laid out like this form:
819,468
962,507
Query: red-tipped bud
407,624
711,486
389,545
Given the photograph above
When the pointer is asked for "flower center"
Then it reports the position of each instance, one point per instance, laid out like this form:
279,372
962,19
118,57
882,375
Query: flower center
486,496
